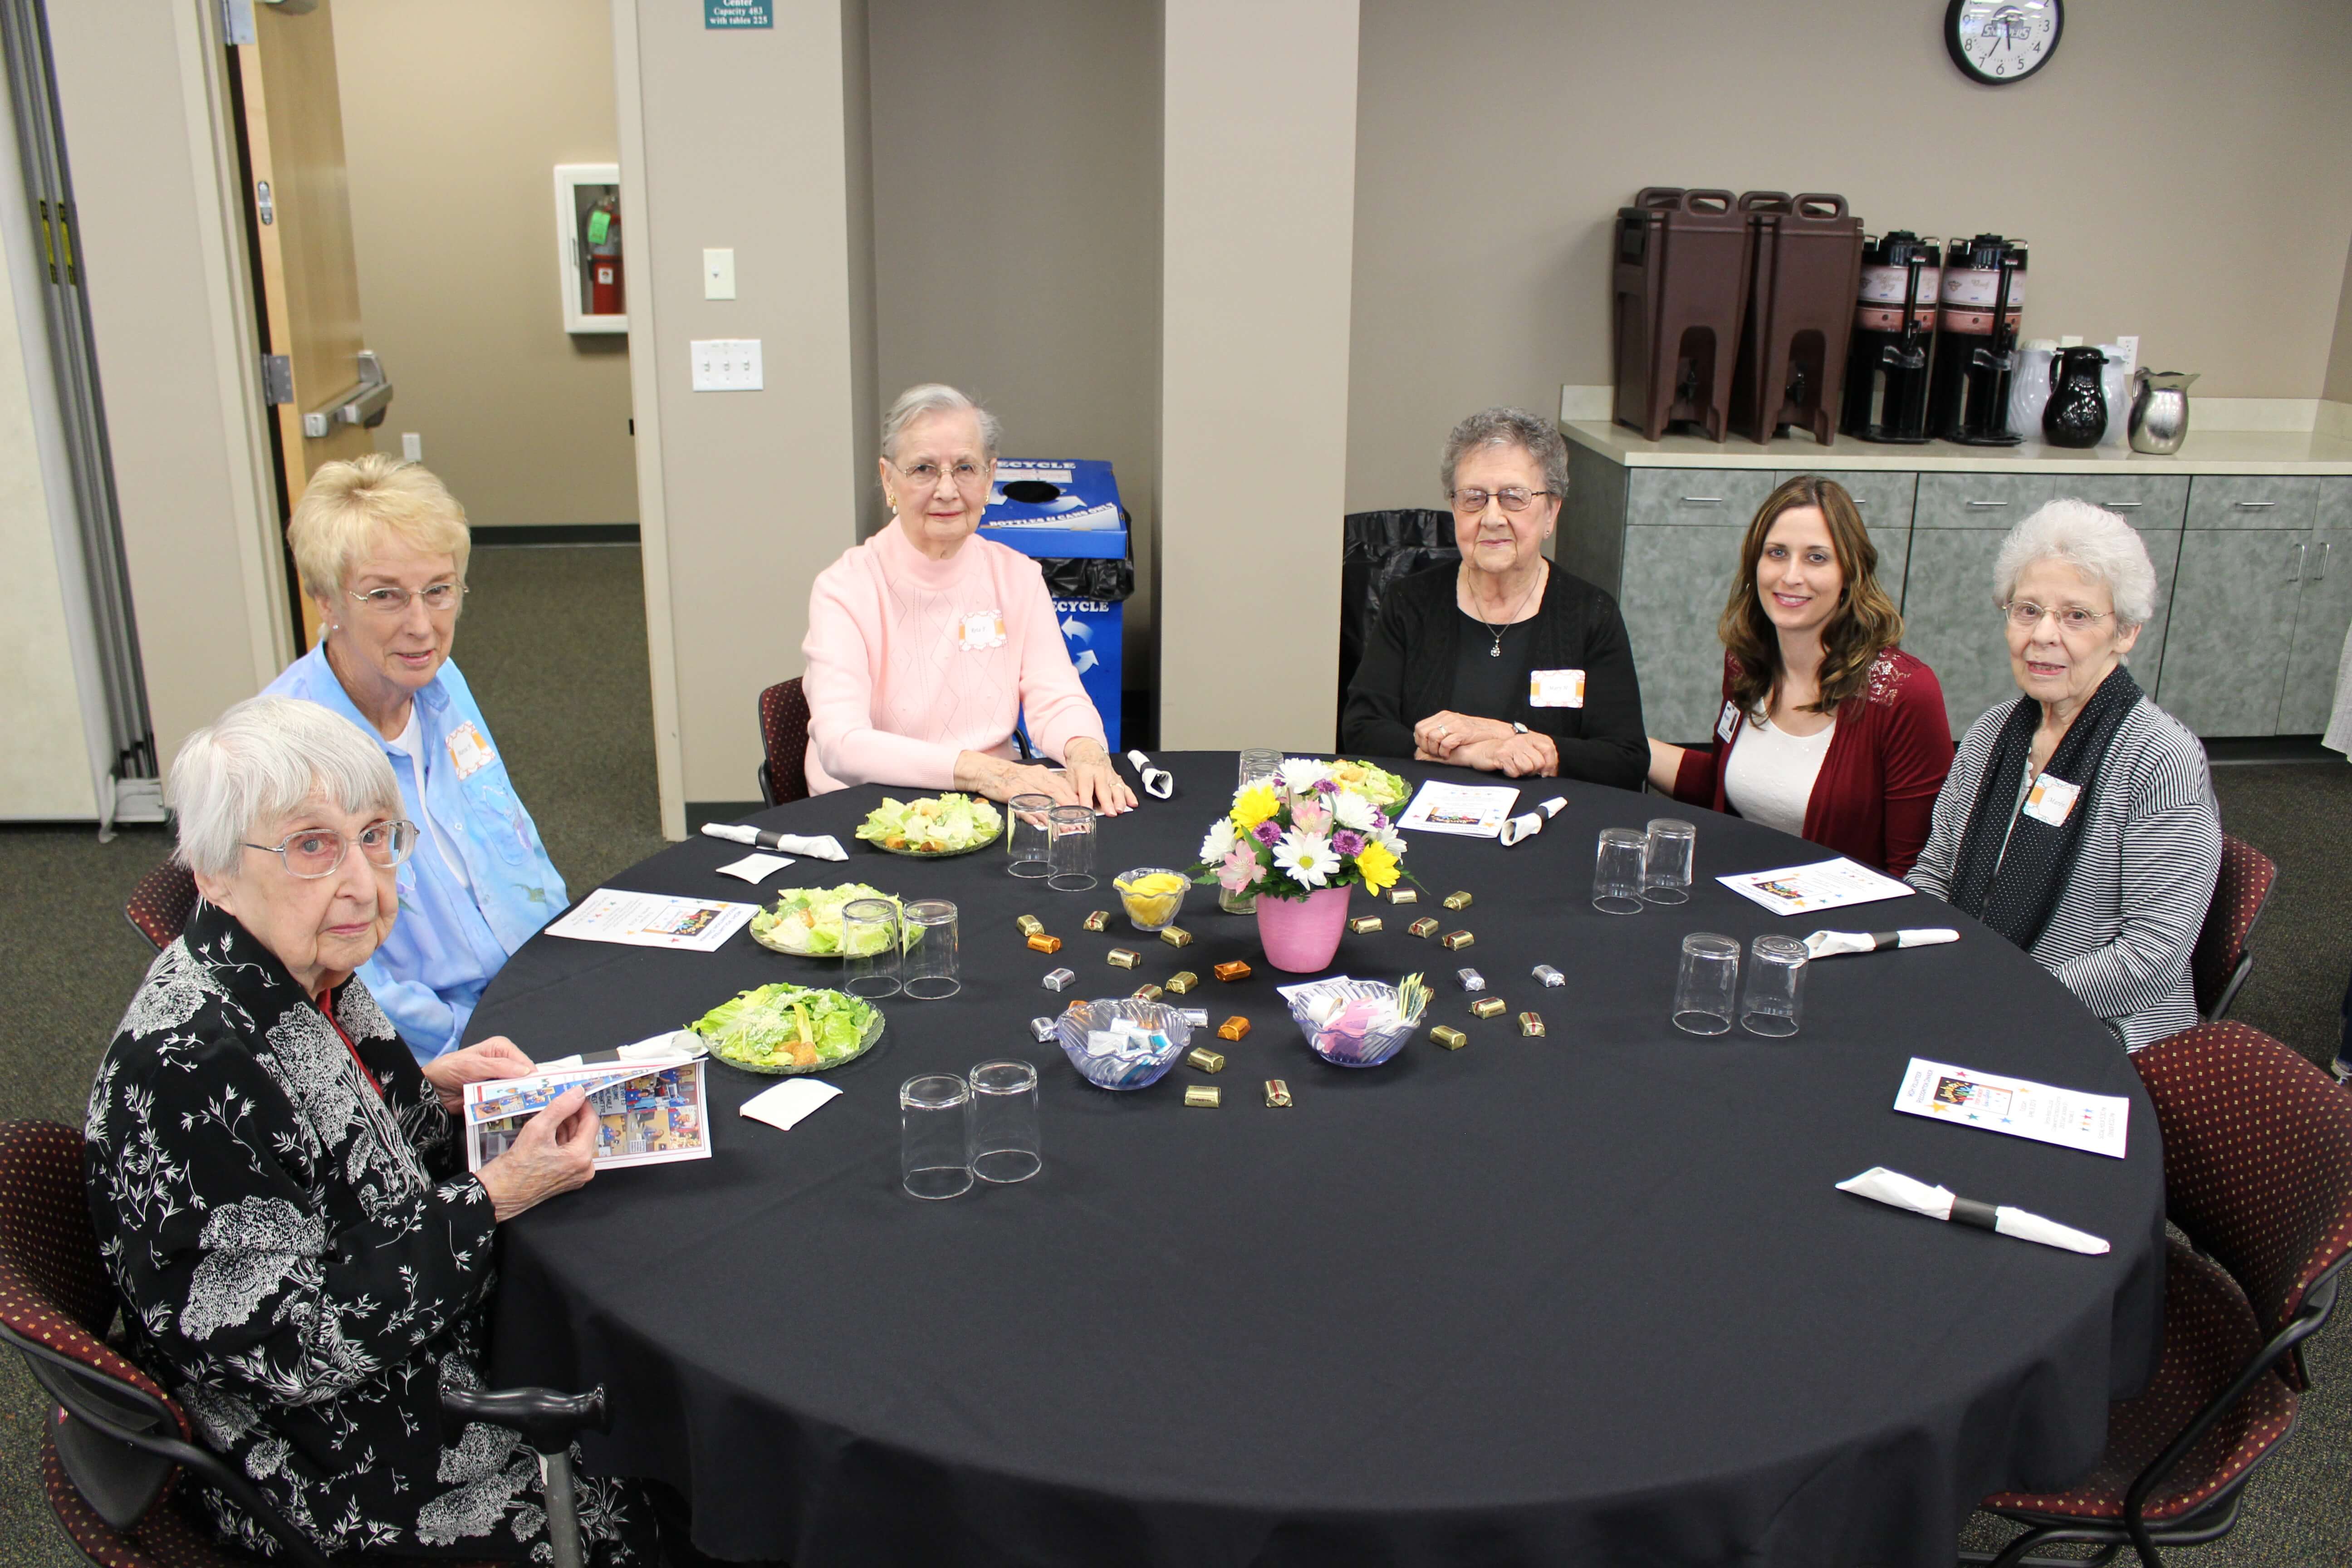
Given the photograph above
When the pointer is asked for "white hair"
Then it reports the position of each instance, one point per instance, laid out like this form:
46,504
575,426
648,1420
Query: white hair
262,760
935,397
2092,540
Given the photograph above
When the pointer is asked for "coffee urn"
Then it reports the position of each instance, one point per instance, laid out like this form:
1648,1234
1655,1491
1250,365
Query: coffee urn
1894,336
1983,304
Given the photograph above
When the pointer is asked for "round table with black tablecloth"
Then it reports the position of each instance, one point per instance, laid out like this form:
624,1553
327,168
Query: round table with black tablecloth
1590,1298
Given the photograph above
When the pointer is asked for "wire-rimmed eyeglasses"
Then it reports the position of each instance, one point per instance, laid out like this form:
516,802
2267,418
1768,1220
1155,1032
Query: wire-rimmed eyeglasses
315,852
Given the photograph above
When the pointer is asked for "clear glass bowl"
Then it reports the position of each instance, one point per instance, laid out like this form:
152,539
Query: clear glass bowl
1152,914
1106,1071
1376,1046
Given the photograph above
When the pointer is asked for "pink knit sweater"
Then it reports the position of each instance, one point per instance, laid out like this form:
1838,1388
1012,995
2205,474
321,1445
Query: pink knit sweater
911,660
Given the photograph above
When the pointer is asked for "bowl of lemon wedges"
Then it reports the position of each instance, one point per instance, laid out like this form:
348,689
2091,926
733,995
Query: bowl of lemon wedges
1154,896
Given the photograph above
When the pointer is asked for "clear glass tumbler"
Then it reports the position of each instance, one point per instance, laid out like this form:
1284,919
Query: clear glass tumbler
1617,871
927,960
1003,1124
1025,833
1775,987
1256,765
1708,982
869,947
1669,851
934,1158
1071,860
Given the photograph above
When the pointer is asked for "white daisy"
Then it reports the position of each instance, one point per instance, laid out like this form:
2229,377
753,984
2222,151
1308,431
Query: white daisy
1302,773
1308,856
1219,843
1350,809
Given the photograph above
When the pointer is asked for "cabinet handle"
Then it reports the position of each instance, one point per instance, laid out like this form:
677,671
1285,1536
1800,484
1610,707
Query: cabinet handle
2253,505
2126,505
2302,555
1702,500
2326,545
1858,502
1982,503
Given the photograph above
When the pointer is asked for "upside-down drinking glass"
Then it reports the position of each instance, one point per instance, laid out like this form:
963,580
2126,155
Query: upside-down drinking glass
1776,983
934,1156
1666,861
926,961
1003,1122
1617,871
1071,857
869,947
1026,829
1707,983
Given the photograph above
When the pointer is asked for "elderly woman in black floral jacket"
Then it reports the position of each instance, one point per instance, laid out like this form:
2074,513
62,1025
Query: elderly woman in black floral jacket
278,1190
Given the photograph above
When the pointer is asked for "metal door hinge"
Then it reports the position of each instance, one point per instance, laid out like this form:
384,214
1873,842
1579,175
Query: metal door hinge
236,22
277,379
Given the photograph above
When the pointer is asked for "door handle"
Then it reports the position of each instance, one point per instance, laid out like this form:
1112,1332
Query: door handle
1986,503
363,406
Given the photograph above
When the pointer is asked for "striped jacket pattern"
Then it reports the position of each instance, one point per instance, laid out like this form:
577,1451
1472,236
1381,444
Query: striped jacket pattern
2121,934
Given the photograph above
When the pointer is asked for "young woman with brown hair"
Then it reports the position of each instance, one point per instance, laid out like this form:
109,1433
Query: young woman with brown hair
1828,730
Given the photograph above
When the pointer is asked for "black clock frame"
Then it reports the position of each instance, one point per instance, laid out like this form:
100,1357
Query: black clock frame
1969,68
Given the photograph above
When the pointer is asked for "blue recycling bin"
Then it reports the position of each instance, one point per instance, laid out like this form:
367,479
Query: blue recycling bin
1064,514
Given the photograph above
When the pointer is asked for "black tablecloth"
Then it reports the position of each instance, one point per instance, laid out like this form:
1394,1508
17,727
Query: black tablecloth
1585,1299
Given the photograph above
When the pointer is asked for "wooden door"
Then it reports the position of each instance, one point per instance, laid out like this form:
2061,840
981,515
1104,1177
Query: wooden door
299,212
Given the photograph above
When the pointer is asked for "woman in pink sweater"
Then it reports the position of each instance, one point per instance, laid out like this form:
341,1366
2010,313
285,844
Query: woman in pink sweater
925,644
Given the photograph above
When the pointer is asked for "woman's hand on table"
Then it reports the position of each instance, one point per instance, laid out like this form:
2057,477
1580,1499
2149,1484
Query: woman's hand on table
554,1153
1096,780
1089,780
1531,755
1437,738
482,1062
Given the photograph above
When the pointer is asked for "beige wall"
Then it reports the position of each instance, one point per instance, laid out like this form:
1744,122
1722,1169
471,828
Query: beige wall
1259,137
2339,359
2178,169
455,115
1016,235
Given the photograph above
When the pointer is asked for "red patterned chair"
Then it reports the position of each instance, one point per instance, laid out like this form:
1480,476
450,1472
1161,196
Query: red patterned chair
2258,1174
161,903
2217,964
115,1443
783,731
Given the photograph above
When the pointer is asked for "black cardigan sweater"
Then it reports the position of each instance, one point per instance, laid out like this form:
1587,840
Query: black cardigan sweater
1407,674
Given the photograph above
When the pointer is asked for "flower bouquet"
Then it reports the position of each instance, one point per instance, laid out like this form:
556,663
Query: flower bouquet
1299,841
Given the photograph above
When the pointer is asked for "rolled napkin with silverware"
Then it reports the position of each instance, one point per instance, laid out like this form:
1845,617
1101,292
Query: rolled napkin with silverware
1158,782
1830,943
1526,825
822,846
1899,1191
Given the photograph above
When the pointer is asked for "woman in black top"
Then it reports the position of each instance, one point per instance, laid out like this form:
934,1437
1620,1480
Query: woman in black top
1504,663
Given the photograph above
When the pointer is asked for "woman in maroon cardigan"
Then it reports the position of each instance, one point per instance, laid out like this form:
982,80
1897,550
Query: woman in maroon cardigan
1828,729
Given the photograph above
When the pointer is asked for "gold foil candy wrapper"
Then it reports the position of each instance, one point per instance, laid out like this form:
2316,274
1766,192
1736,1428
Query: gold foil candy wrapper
1233,1028
1531,1024
1457,900
1125,958
1205,1059
1488,1006
1096,920
1424,926
1401,894
1277,1094
1061,979
1039,941
1149,993
1176,936
1030,925
1231,969
1182,983
1364,925
1455,941
1205,1095
1449,1037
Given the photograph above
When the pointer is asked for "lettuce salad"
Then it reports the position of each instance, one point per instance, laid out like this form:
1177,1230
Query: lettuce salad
941,824
786,1029
807,920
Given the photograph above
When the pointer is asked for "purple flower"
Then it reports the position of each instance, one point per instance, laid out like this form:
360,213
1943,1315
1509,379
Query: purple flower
1325,786
1267,832
1380,817
1348,841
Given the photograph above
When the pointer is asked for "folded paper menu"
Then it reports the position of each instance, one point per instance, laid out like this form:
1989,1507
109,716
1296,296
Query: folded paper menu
1474,811
653,919
2096,1123
647,1112
1824,885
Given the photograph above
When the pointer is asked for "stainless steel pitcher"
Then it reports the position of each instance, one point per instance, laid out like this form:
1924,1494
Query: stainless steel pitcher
2159,410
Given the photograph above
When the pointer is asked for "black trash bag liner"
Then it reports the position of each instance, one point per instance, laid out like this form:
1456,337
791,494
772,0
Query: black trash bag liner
1092,577
1377,549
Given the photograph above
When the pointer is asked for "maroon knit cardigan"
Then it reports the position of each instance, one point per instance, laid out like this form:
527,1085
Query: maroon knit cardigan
1876,790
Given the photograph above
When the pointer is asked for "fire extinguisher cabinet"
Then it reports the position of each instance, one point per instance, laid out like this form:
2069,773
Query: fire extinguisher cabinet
591,248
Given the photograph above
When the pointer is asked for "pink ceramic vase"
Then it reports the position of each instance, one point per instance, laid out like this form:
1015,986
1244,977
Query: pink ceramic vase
1302,934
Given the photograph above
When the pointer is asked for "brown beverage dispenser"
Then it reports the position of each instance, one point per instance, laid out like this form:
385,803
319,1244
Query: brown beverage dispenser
1894,336
1680,277
1976,341
1792,345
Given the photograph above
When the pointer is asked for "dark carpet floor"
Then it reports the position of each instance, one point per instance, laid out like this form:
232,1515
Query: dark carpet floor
553,645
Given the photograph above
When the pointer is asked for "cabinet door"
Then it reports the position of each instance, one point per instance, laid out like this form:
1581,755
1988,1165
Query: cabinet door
2252,500
2326,610
1950,621
2147,654
1675,580
2155,504
1885,502
1725,496
1979,500
2233,616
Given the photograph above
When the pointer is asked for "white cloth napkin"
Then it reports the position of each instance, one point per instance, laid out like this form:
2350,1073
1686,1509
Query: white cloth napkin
1158,782
1899,1191
754,867
678,1044
1830,943
1529,823
822,846
788,1103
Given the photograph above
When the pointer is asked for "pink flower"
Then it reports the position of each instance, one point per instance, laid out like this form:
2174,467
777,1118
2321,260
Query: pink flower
1310,816
1239,869
1347,841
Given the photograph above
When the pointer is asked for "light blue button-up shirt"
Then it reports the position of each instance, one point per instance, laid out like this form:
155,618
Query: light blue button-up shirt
449,939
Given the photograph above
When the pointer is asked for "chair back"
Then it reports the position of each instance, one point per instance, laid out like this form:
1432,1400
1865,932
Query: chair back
159,905
783,731
2217,964
2257,1164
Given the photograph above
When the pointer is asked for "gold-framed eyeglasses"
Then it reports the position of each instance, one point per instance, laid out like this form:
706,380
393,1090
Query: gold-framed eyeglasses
317,852
1470,502
966,473
2026,615
439,597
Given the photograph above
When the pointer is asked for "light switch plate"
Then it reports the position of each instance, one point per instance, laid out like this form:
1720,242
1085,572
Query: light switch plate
726,364
718,274
412,445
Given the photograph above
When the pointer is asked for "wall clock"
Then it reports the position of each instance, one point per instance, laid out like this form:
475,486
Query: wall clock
1997,42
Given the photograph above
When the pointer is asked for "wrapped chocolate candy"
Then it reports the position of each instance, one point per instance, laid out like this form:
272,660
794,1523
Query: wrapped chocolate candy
1449,1037
1041,942
1233,1028
1096,920
1549,975
1277,1094
1364,925
1457,901
1030,924
1471,979
1182,983
1043,1028
1424,926
1401,894
1148,993
1061,979
1488,1006
1205,1059
1176,936
1204,1096
1124,958
1531,1024
1455,941
1231,969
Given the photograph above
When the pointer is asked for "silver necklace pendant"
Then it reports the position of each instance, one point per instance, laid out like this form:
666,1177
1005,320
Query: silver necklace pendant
1497,651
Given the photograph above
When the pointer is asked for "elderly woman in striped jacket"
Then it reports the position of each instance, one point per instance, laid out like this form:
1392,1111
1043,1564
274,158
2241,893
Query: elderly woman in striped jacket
2079,819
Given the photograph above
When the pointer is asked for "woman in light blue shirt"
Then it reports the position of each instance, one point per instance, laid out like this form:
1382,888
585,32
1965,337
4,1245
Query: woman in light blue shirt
382,546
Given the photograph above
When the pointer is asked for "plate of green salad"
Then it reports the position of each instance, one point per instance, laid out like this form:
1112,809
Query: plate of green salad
933,827
807,921
783,1028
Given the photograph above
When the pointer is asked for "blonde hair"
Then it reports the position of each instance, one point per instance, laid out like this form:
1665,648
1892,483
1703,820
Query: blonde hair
351,510
265,759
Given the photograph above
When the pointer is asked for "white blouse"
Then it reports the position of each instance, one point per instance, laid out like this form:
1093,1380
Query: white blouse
1769,777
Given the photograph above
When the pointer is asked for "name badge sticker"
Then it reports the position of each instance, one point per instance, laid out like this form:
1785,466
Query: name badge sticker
1729,723
980,629
1556,689
469,750
2051,799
